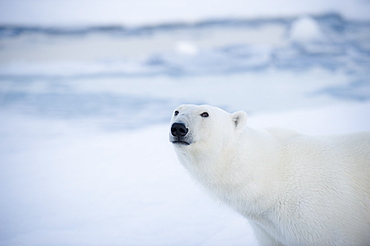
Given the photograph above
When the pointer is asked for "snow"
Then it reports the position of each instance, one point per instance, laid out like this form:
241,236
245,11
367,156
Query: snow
305,29
186,48
67,184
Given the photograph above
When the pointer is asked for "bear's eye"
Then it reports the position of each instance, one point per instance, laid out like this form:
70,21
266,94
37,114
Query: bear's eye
176,113
204,114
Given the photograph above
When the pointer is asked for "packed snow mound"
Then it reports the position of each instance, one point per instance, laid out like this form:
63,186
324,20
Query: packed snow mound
306,29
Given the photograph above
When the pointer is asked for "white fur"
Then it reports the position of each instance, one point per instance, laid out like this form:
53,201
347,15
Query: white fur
294,189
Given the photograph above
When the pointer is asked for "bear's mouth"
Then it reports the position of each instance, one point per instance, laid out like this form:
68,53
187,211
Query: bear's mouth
180,142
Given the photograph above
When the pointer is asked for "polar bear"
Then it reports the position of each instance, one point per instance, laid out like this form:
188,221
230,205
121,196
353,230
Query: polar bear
294,189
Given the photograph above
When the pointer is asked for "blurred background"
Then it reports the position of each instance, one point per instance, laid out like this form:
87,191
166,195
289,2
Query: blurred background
87,88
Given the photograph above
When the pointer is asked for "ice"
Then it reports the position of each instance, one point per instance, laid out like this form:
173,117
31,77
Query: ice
186,48
206,47
305,29
124,102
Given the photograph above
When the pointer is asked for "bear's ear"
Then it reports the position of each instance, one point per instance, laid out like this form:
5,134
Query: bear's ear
240,120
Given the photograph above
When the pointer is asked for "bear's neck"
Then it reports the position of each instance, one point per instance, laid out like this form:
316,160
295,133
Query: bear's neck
244,171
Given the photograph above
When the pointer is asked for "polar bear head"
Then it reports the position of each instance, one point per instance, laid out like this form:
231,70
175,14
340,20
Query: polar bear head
203,126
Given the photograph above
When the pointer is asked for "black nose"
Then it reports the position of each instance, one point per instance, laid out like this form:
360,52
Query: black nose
179,129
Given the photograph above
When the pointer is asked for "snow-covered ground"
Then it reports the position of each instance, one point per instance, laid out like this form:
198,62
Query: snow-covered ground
87,89
66,184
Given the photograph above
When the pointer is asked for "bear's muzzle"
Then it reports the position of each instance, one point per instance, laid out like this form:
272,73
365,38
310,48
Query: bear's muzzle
179,133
